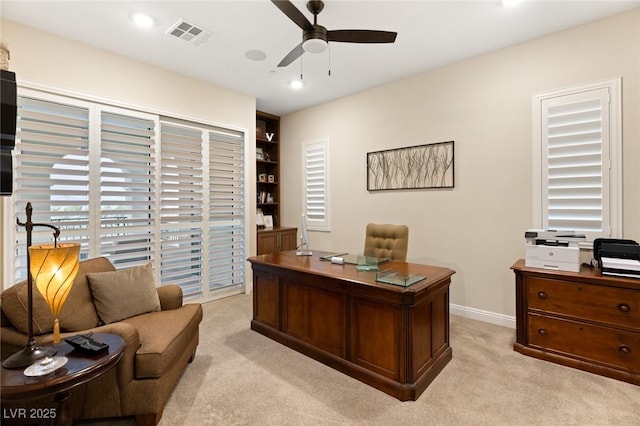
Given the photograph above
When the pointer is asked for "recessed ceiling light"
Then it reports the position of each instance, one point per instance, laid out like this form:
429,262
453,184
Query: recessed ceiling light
142,20
296,84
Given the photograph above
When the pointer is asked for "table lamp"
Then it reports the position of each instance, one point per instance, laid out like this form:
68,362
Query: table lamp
54,268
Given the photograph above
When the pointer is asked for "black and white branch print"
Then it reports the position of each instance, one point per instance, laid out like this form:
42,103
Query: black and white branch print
424,166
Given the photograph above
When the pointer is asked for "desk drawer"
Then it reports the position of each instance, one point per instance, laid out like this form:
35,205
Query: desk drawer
613,347
610,305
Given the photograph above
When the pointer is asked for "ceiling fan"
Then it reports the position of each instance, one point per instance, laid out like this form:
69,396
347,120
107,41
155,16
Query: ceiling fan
315,38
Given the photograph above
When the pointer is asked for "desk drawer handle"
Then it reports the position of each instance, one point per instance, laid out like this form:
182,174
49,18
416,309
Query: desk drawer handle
623,307
542,295
543,332
624,349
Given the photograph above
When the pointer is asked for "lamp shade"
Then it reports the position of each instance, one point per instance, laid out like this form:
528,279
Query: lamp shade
53,269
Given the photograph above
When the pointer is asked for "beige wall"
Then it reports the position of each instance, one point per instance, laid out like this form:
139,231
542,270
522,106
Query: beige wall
484,105
41,58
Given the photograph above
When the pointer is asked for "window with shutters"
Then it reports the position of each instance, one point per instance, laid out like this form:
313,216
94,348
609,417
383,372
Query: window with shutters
226,195
181,204
577,163
315,197
132,187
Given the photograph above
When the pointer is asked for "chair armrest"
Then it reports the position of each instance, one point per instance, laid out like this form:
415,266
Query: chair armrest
11,337
170,296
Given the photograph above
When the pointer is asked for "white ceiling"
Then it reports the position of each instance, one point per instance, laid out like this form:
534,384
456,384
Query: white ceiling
430,34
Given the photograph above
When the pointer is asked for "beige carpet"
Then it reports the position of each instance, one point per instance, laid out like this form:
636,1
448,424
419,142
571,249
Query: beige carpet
240,377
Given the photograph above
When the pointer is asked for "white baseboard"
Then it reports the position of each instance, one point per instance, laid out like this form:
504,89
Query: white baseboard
480,315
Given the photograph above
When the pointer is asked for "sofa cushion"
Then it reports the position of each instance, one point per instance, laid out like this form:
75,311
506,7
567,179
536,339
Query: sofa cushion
124,293
78,313
163,337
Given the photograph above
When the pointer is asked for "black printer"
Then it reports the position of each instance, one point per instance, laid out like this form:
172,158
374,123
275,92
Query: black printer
617,257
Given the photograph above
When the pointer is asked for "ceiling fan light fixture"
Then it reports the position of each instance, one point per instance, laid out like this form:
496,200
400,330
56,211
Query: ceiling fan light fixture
315,45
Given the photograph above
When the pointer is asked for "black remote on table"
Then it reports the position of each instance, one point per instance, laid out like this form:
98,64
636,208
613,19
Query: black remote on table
86,344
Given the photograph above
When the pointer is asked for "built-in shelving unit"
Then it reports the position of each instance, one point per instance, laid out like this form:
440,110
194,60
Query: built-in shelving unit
267,167
268,199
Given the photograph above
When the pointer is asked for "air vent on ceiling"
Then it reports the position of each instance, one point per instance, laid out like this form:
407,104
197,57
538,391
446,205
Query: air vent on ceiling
189,32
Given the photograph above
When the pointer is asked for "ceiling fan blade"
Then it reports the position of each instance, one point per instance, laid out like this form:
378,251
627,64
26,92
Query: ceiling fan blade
292,56
362,36
293,13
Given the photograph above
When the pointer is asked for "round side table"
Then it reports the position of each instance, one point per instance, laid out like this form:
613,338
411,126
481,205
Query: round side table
18,390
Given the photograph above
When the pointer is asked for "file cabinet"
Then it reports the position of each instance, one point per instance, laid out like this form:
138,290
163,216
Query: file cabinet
579,319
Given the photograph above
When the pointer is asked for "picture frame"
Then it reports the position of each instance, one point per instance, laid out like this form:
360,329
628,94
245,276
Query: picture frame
260,218
261,129
271,178
259,153
262,177
268,221
426,166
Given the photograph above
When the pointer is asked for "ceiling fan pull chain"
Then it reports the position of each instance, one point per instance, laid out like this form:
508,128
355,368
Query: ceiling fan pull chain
329,60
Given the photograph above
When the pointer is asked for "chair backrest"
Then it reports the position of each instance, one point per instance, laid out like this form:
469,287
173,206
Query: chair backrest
387,240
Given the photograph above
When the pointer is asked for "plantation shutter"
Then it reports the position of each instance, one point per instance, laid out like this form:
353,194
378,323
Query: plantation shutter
575,144
315,186
51,172
127,188
181,215
226,209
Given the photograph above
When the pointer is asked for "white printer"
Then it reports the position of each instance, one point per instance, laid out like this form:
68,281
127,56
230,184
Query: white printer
549,249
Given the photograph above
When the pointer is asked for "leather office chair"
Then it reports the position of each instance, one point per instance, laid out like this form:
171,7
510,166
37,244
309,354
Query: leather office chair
387,240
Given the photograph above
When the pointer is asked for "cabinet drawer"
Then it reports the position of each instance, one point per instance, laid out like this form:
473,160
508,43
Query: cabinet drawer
610,305
613,347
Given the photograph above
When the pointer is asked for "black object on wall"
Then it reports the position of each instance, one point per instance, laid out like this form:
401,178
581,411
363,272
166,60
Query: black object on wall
8,114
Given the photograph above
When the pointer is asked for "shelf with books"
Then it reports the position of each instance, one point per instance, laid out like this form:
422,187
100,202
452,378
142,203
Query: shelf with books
267,165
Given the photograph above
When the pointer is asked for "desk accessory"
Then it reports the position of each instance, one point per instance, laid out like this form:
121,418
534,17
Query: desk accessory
389,276
303,248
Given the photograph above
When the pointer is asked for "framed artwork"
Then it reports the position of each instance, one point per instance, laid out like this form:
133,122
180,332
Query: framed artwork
259,153
415,167
268,221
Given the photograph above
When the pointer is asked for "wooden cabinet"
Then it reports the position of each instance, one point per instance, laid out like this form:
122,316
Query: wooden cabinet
267,165
579,319
276,240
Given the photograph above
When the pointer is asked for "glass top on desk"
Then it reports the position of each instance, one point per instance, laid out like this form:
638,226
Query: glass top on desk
357,259
389,276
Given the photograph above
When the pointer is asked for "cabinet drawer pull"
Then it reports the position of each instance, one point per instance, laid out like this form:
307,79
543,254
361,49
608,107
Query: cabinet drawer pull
542,295
623,307
624,349
543,332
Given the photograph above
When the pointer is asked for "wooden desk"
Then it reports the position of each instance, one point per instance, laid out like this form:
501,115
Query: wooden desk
20,393
393,338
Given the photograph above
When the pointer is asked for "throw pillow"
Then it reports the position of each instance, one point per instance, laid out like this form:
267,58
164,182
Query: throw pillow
15,307
124,293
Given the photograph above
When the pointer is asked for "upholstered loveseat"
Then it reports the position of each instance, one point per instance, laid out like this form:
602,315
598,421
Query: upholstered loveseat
159,343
